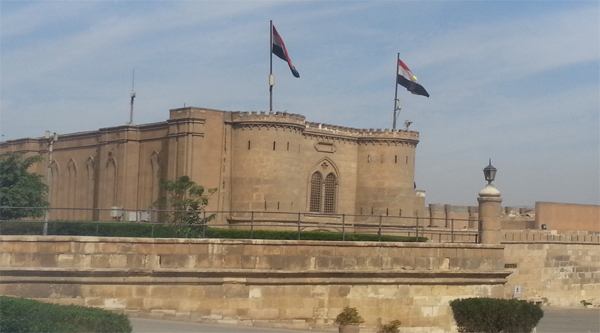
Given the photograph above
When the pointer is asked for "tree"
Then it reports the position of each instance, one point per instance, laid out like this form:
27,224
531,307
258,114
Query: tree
20,188
185,200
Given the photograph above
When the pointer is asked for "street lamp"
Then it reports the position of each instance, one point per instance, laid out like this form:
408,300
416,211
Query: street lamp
50,142
489,172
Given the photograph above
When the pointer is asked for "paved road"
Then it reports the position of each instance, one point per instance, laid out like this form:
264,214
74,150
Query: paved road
570,320
556,320
142,325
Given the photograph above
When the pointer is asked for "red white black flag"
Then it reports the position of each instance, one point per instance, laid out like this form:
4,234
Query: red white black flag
409,81
278,49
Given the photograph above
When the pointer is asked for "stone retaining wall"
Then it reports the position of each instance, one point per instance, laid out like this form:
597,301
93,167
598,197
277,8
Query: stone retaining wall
296,284
554,273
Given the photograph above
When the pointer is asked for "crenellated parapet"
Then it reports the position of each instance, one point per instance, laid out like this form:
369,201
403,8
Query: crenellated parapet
269,120
363,136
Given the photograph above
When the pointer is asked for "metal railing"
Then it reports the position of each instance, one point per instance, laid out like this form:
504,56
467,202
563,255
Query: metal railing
433,229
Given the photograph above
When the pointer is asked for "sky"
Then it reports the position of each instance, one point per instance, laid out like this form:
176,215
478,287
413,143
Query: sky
517,82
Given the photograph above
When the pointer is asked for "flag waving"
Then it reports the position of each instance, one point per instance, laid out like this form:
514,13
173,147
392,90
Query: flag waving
278,49
408,80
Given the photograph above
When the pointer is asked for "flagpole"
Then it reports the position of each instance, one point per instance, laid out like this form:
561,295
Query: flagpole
271,77
396,93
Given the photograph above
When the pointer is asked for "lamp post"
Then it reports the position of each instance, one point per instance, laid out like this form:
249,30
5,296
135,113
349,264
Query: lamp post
50,142
489,209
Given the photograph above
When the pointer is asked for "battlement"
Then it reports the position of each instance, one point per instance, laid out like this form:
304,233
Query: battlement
364,133
262,116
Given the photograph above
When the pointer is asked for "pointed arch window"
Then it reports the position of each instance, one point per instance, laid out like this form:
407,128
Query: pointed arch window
323,193
329,194
316,181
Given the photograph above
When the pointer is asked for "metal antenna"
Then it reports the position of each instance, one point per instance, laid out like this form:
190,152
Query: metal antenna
132,98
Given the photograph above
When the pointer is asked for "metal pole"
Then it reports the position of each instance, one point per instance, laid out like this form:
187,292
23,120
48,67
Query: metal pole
203,224
452,232
271,77
417,229
298,226
132,98
379,231
252,225
396,93
343,227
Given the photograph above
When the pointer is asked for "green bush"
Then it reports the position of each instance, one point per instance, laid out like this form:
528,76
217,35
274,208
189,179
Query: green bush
132,229
349,316
391,327
23,315
492,315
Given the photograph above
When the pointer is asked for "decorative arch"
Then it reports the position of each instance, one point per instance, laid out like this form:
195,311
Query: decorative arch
111,182
323,187
71,186
90,185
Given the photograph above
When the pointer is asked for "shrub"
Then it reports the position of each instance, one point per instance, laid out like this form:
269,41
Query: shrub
391,327
17,316
134,229
491,315
349,316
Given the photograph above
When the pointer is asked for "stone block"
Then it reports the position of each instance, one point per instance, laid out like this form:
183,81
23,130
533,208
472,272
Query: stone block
235,291
289,250
125,248
339,291
44,247
62,247
47,259
298,263
114,303
95,302
272,250
65,260
117,261
144,248
231,261
174,261
214,291
108,248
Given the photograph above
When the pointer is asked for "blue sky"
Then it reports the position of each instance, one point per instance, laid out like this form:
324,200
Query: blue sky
514,81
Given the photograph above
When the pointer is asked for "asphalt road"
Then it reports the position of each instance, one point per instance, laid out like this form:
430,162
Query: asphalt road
556,320
143,325
569,320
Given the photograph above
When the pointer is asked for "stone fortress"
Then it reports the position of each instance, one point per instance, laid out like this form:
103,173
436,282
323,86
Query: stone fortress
257,161
280,162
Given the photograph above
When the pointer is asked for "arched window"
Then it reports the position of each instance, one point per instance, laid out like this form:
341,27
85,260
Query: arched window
329,200
322,193
316,181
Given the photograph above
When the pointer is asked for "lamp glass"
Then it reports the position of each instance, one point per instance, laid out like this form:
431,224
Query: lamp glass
489,172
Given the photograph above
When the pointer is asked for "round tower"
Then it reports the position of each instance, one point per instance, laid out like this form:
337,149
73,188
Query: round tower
386,173
265,161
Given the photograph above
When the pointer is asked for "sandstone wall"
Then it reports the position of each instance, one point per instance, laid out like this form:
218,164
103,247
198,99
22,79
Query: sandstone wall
298,284
555,269
258,161
564,217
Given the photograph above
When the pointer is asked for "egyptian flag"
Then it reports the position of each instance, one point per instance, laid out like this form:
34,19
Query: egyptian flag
407,79
278,49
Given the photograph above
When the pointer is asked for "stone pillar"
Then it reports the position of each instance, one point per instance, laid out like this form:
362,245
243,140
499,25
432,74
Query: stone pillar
489,215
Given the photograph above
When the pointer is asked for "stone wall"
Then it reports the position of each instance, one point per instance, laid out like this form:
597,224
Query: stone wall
258,162
466,217
564,216
298,284
555,268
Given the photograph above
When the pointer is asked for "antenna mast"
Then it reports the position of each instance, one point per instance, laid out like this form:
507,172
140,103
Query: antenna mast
132,98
